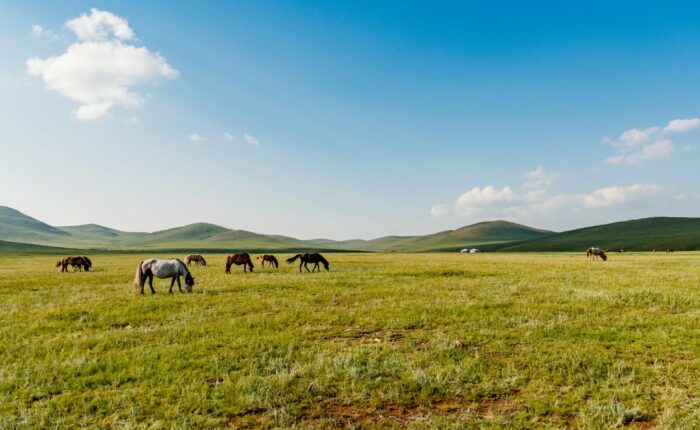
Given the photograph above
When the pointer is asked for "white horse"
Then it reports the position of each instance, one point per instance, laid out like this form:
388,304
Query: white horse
174,268
594,252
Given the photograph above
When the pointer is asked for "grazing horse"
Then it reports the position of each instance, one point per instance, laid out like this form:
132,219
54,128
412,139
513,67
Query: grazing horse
173,269
669,251
78,262
87,264
196,259
270,259
310,258
239,259
594,252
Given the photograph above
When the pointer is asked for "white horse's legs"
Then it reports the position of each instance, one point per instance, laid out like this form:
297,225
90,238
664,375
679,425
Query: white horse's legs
150,284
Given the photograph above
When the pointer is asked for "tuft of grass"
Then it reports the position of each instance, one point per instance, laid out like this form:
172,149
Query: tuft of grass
544,341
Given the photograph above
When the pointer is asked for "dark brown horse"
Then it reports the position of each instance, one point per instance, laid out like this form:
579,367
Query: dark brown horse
77,262
314,258
669,251
239,259
270,259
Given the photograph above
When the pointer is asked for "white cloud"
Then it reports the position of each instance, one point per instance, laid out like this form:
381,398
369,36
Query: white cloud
439,210
476,199
662,148
631,138
539,178
228,137
682,125
99,25
636,146
195,137
100,71
490,202
15,81
40,31
250,139
680,197
616,196
535,196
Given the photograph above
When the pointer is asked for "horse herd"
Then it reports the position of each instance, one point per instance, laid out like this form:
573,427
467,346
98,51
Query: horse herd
176,268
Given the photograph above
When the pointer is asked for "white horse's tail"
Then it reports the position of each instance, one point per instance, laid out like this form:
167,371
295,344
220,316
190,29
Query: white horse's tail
139,278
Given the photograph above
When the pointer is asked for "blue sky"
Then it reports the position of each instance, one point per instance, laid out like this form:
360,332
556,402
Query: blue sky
362,118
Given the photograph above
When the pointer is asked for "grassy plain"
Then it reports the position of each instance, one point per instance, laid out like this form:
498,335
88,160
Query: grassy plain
544,341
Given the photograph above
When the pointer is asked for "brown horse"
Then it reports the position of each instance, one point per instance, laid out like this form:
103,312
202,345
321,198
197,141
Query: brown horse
669,251
270,259
78,263
196,259
239,259
314,258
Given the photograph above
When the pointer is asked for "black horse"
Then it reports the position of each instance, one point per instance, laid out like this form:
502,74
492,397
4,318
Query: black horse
314,258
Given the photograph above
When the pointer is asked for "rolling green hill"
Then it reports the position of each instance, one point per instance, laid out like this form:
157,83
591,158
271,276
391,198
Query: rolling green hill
635,235
15,248
642,234
210,236
479,234
18,227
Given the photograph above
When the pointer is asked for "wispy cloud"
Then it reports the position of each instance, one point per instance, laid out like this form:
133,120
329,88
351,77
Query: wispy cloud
250,139
539,178
195,137
40,31
100,70
440,209
617,196
228,137
131,120
637,147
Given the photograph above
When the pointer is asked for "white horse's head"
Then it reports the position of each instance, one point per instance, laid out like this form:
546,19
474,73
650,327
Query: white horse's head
189,282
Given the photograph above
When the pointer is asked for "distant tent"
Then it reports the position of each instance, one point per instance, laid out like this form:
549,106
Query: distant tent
470,250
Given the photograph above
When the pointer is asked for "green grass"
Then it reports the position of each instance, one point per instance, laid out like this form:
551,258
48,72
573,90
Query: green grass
546,341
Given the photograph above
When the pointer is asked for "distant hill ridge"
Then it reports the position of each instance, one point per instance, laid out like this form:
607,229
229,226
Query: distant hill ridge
483,233
20,228
634,235
642,234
